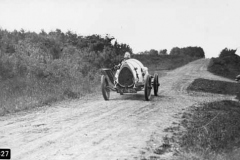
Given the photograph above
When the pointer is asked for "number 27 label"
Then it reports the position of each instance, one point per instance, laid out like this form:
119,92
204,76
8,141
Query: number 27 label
5,153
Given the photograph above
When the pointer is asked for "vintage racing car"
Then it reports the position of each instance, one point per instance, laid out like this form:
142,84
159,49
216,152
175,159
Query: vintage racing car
128,77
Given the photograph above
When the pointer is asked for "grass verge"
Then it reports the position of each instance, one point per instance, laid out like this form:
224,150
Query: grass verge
209,131
20,93
214,86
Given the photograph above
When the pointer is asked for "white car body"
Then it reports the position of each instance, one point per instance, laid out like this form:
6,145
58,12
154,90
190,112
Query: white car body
137,69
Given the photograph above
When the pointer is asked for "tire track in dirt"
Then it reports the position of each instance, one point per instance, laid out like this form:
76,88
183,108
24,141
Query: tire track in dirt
62,133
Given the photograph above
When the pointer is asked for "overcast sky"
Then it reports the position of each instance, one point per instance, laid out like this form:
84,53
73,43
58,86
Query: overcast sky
143,24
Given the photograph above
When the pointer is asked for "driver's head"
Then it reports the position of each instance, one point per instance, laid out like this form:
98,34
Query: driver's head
127,55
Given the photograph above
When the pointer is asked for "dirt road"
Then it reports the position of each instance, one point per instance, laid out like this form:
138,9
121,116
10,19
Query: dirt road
126,127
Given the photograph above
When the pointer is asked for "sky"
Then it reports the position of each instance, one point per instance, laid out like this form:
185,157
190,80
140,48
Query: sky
142,24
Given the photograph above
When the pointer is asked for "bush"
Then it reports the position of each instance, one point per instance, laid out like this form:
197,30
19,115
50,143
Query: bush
52,66
227,53
188,51
226,65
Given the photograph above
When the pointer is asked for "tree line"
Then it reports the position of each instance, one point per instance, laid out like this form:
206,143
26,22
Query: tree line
176,51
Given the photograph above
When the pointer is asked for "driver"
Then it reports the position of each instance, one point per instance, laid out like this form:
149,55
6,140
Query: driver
126,57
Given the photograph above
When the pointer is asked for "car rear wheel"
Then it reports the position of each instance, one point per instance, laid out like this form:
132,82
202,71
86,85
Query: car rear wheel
147,88
105,89
155,84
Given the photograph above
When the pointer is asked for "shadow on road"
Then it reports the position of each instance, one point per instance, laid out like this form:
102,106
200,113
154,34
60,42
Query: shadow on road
135,96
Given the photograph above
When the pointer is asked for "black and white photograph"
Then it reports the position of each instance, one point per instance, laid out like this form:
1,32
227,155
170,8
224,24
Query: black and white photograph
120,79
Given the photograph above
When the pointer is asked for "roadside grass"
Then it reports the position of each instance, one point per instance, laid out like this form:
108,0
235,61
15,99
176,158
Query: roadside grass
209,131
20,93
214,86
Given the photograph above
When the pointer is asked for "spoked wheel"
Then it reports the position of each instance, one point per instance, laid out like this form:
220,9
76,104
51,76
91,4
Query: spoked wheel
105,89
147,88
155,84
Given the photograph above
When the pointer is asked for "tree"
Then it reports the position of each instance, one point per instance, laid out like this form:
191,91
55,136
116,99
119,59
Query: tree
153,52
163,52
175,51
188,51
227,52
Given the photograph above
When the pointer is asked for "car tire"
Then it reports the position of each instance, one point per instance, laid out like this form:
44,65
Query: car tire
156,84
147,88
105,90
